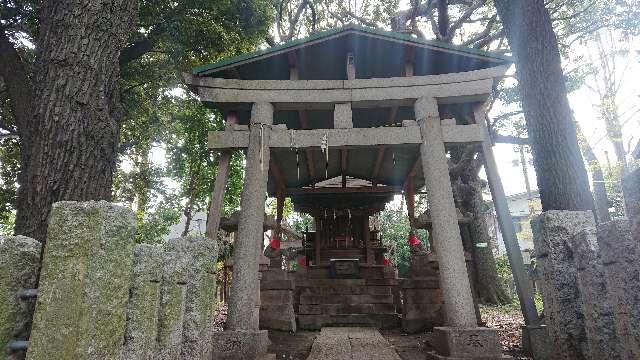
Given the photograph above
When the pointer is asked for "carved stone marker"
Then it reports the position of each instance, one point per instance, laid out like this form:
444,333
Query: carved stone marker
344,268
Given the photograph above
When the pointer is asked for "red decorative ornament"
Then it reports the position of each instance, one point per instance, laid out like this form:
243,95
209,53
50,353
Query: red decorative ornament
414,241
303,261
274,243
386,262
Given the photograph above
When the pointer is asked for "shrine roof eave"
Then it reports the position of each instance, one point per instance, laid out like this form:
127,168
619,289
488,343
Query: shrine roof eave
213,69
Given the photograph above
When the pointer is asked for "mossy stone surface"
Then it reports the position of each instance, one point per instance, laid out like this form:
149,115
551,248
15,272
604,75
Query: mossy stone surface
19,260
84,284
172,305
200,298
144,301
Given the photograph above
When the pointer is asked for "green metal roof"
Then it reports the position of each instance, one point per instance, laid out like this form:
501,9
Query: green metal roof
348,29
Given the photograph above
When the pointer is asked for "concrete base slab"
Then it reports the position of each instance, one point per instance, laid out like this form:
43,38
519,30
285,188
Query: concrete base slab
342,343
536,342
240,345
432,355
466,343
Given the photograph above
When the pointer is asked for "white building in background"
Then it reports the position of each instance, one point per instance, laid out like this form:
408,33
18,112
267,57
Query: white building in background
521,206
198,225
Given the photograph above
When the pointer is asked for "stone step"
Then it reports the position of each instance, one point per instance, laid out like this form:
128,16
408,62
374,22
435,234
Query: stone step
345,282
345,290
346,299
316,322
337,309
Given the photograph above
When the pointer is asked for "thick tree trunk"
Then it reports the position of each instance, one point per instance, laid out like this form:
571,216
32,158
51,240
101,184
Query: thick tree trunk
468,195
75,110
562,177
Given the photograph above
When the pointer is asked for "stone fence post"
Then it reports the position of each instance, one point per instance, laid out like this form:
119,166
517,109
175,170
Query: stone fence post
19,261
620,254
599,320
552,231
84,283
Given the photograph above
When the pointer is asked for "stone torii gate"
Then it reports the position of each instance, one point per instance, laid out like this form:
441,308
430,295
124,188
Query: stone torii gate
428,131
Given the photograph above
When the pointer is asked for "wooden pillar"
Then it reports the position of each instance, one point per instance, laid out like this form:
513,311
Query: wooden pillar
524,288
366,238
409,193
245,286
454,280
316,240
217,197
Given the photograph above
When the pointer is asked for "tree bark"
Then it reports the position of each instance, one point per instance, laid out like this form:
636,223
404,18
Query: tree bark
76,111
561,174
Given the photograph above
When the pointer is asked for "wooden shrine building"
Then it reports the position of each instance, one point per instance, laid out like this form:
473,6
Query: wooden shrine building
340,122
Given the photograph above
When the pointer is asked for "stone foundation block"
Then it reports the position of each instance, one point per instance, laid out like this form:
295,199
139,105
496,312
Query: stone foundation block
278,317
471,343
84,283
19,262
552,231
240,345
144,300
276,285
536,342
276,297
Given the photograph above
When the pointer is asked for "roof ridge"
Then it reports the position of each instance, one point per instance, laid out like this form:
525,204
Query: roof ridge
347,28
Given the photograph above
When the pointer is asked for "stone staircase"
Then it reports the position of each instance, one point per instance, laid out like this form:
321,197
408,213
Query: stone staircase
346,302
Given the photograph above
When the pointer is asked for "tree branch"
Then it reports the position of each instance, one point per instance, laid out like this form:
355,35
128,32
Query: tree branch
18,85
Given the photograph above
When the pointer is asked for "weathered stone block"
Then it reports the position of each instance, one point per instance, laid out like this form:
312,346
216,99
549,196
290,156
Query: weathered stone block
19,262
144,301
599,320
84,283
278,317
536,342
622,276
200,254
173,293
563,309
276,297
466,343
239,345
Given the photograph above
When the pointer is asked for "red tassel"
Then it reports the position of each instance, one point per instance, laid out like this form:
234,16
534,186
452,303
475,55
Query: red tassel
386,262
274,243
303,261
414,241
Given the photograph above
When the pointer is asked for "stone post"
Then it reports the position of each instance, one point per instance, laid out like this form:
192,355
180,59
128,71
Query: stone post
173,294
242,339
564,317
19,262
84,282
144,301
600,326
200,254
453,271
462,337
620,254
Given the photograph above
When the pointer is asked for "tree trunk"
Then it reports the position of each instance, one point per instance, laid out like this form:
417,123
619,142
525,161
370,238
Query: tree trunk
561,174
75,110
597,177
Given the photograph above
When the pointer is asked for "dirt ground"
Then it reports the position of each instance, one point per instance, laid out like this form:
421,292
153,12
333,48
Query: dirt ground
296,346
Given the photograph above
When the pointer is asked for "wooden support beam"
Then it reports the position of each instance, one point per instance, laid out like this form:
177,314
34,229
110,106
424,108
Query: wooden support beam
344,190
274,169
378,164
217,197
343,166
